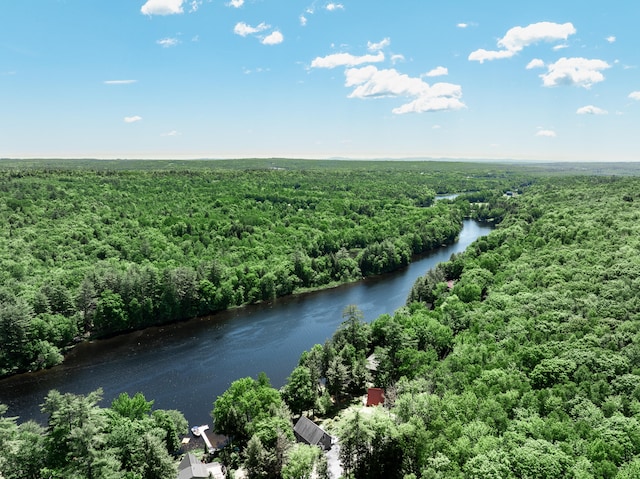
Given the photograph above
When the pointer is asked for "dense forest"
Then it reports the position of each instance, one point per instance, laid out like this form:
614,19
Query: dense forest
519,358
115,246
128,440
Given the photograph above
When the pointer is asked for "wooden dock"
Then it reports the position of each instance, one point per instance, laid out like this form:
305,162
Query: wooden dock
200,431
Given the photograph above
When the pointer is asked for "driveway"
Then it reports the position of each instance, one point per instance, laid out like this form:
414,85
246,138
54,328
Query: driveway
333,460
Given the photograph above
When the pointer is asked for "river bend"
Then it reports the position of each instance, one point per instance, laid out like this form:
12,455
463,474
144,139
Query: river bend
185,366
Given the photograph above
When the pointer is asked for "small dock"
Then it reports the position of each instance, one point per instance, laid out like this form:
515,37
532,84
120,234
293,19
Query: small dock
200,431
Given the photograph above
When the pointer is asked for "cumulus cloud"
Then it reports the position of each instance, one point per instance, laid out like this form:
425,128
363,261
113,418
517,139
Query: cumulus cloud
482,55
397,58
235,3
274,38
591,110
303,20
244,29
334,6
345,60
168,42
546,133
462,25
369,82
119,82
634,95
517,38
132,119
577,71
535,63
611,39
437,72
162,7
374,47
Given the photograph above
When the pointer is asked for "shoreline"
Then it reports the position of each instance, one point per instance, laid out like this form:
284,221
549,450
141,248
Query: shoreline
69,350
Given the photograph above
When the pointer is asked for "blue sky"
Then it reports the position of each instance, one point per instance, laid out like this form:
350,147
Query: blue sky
544,80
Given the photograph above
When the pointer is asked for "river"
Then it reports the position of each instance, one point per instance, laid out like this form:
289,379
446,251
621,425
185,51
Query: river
187,365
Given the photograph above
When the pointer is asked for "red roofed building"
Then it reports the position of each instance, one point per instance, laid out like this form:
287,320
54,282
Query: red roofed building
375,396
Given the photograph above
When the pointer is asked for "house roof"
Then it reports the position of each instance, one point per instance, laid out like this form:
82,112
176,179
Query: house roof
192,468
308,430
375,396
372,363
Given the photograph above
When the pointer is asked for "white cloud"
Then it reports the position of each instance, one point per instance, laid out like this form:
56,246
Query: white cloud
374,47
634,95
244,29
168,42
162,7
591,110
303,20
397,58
535,63
436,127
611,39
274,38
172,133
369,82
235,3
562,46
462,25
574,71
334,6
345,60
482,55
248,71
195,4
132,119
517,38
119,82
546,133
437,72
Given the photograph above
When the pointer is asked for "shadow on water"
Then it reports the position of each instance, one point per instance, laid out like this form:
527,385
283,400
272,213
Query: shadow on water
186,365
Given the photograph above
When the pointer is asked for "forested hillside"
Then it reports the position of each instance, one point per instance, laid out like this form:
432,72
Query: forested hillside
521,357
97,248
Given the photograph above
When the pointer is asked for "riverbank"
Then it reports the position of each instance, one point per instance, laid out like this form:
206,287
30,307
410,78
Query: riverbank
299,292
186,365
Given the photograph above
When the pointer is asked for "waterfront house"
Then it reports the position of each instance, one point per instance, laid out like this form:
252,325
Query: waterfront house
192,468
310,433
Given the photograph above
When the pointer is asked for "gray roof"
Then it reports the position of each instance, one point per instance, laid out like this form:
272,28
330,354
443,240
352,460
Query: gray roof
308,430
192,468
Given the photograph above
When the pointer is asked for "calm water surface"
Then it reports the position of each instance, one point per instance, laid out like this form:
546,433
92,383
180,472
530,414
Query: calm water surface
186,366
